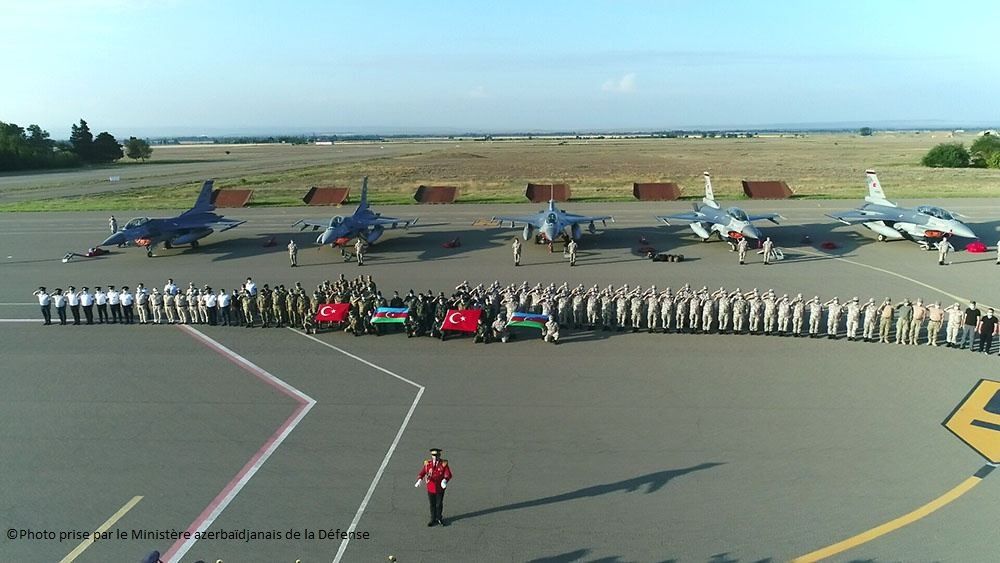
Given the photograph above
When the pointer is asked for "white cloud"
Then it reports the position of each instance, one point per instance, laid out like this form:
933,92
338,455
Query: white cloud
625,84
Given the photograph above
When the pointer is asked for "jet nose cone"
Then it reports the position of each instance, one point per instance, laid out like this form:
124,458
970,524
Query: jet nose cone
115,239
962,230
550,234
751,231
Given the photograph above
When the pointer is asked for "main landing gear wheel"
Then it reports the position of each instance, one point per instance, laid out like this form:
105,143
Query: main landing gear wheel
167,245
149,252
194,244
704,240
881,238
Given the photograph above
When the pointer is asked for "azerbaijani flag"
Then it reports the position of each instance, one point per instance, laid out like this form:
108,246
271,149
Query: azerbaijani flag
391,315
531,320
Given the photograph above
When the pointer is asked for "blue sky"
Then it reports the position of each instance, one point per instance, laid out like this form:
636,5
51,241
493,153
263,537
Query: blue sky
148,67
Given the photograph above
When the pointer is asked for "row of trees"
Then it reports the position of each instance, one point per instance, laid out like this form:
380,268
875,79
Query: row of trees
31,148
983,153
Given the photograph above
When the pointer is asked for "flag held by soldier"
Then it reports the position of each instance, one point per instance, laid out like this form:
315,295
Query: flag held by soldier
391,315
461,320
332,312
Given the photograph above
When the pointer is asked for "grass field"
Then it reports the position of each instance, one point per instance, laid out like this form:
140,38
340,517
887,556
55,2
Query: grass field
814,165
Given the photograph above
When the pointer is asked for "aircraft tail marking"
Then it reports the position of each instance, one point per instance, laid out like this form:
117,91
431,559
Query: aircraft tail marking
875,193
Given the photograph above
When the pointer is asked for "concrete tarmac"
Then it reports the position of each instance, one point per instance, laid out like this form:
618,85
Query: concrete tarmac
609,447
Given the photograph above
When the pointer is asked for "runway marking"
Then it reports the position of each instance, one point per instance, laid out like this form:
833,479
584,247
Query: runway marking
236,484
884,271
893,525
392,447
100,530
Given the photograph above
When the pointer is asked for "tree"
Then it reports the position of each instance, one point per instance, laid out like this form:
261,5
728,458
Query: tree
82,141
947,155
983,149
106,148
138,148
866,132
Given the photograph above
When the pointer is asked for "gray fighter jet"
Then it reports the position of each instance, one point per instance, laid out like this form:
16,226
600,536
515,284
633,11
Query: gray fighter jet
553,223
924,225
364,224
730,224
187,228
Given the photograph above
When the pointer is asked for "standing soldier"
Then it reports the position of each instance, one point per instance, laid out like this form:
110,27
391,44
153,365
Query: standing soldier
249,307
571,250
101,300
723,304
741,248
264,306
293,253
694,312
739,312
359,251
635,311
621,307
115,304
169,304
919,314
680,309
516,247
770,310
203,305
142,306
707,312
666,309
815,312
180,301
87,304
871,320
784,312
798,313
853,318
755,305
193,298
73,299
113,225
225,302
955,317
278,297
156,304
768,249
45,303
435,473
652,308
885,320
935,316
903,321
943,247
579,307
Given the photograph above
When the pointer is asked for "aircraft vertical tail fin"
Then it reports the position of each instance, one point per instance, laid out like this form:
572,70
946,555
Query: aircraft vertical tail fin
709,198
364,193
204,201
875,193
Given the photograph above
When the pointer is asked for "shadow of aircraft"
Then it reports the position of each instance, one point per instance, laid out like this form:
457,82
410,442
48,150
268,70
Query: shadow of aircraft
652,482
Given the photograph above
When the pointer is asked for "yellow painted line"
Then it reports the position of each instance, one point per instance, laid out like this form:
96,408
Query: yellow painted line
892,525
103,528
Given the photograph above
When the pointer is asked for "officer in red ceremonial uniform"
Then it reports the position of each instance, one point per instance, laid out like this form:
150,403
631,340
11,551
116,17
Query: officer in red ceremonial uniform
436,474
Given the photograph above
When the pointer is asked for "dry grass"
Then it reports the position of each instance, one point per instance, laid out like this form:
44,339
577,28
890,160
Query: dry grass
818,165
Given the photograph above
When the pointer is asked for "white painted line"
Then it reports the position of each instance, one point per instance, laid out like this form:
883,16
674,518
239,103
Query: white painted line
884,271
25,320
392,447
233,488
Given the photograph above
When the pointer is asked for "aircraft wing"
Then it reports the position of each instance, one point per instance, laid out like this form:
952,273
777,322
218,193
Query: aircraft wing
855,216
532,220
314,224
222,224
772,217
690,216
393,222
574,219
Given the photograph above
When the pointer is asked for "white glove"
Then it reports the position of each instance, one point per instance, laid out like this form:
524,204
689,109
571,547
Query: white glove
444,483
417,484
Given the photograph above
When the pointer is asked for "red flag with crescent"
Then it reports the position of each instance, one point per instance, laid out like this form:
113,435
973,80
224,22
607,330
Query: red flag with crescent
332,312
462,320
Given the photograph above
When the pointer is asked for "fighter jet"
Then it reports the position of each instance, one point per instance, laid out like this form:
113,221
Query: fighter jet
364,223
553,223
730,225
187,228
924,225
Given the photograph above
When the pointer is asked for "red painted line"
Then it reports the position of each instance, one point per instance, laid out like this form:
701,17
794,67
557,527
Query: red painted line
236,484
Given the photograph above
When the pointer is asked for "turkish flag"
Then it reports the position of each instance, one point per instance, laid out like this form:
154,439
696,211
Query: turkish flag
332,312
462,320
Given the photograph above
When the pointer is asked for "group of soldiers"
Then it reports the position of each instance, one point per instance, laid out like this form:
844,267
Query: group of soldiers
611,308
